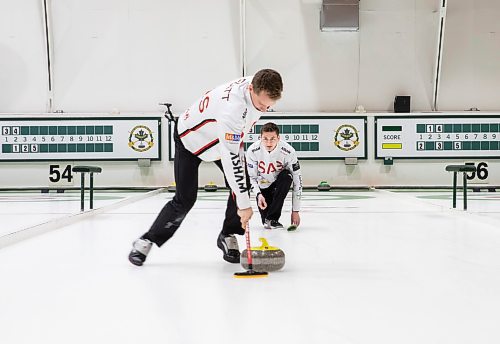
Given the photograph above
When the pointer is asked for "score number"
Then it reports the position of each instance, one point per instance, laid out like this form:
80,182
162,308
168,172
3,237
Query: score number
56,173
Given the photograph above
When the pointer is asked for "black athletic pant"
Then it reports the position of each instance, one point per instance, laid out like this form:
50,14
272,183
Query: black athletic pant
169,219
275,196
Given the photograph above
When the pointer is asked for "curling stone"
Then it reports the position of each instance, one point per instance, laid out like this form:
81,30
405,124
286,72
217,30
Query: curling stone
171,187
324,186
211,187
264,258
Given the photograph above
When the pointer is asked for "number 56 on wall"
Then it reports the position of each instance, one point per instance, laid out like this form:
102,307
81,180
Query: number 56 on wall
480,175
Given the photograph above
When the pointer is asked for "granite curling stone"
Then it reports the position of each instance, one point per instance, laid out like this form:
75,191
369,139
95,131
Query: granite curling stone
172,187
211,187
265,258
324,186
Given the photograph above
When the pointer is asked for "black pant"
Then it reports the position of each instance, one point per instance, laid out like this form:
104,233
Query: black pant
169,219
275,196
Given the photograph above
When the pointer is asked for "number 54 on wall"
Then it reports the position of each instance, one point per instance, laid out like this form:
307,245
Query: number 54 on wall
60,174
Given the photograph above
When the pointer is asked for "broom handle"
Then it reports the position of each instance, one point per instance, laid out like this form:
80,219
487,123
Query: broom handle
249,249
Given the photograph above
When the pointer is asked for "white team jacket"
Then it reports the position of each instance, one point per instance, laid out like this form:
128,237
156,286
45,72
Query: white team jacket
214,126
263,168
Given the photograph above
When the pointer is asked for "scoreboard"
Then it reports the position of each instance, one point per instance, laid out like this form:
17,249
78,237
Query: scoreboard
314,137
79,138
446,136
319,137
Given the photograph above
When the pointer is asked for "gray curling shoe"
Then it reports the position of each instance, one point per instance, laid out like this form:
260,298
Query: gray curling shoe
229,246
140,250
272,224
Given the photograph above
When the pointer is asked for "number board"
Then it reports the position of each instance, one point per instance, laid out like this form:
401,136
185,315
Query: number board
77,138
319,137
313,137
446,136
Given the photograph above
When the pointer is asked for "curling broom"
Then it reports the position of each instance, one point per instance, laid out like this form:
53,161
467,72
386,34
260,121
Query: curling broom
250,273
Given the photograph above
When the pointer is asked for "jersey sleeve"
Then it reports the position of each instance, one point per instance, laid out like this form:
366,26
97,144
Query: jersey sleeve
230,127
294,167
252,169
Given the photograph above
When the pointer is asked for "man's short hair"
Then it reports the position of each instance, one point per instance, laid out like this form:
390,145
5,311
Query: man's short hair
268,80
270,127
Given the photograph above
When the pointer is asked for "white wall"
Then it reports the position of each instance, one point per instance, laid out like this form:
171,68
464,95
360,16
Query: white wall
130,55
471,66
23,59
393,53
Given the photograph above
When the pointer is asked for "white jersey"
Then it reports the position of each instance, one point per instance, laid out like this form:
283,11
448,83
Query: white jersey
263,168
213,129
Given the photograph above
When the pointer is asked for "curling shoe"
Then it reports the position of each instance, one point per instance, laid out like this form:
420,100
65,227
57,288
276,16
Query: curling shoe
140,250
272,224
229,246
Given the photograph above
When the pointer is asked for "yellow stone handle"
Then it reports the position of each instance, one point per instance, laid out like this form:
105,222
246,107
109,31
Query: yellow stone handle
265,246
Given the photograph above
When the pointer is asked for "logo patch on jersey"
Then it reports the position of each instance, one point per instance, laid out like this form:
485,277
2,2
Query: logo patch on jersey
233,137
250,165
296,166
285,150
271,167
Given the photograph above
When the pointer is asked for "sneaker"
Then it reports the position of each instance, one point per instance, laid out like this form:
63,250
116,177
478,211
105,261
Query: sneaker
273,224
140,250
229,246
